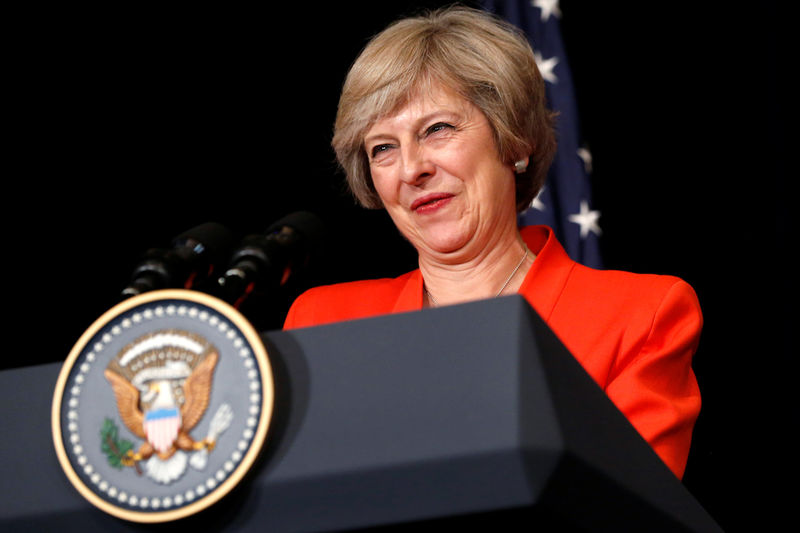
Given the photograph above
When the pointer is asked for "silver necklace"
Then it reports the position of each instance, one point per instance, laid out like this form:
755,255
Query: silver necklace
436,304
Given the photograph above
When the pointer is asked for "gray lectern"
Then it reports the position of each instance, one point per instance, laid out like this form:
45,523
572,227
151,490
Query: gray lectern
465,415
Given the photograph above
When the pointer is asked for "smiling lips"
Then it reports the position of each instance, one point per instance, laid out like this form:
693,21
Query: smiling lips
430,202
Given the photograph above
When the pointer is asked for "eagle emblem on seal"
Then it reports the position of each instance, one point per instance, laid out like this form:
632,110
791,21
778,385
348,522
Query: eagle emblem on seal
162,384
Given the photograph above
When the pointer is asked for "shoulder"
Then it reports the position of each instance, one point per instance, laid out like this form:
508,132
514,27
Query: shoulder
618,289
345,301
611,318
614,292
613,303
580,302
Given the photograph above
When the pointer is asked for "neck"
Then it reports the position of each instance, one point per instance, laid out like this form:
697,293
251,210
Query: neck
495,271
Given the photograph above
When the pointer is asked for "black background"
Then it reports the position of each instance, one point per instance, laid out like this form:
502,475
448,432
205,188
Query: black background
128,126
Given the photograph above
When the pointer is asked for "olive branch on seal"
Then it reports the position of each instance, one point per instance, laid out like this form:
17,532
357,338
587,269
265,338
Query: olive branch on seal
114,448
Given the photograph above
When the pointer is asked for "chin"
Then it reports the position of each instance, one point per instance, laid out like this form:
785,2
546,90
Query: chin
444,243
441,237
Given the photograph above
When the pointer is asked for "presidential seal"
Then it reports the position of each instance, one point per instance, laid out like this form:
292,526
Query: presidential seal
162,406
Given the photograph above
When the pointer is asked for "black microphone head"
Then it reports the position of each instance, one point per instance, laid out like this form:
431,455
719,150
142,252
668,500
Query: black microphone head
309,225
211,238
189,263
267,260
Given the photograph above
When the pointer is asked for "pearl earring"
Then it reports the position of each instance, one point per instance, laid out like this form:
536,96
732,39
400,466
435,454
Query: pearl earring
521,166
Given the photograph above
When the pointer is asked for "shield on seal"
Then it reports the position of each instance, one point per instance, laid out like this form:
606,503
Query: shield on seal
161,427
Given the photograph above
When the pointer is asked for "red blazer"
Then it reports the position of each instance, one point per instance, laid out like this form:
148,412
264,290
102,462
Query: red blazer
635,334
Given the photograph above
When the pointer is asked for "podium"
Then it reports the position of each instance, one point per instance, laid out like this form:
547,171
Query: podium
471,414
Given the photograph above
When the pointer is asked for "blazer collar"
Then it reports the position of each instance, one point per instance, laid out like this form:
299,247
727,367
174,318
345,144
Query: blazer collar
548,276
411,294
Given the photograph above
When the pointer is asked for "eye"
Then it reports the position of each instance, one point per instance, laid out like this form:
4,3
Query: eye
439,126
379,149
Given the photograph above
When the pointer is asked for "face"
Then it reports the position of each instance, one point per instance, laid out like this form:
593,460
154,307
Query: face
435,166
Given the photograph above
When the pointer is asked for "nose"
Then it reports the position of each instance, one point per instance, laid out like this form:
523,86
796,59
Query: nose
417,165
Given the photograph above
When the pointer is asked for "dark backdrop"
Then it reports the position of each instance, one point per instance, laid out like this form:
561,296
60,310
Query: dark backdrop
130,126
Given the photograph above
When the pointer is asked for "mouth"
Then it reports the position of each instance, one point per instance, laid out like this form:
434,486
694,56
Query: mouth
430,202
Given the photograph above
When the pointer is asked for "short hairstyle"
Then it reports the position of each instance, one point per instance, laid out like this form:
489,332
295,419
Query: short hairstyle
479,56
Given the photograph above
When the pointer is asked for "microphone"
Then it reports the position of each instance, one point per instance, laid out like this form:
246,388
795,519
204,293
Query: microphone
268,260
187,264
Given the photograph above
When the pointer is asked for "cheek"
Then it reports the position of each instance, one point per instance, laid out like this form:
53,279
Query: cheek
383,186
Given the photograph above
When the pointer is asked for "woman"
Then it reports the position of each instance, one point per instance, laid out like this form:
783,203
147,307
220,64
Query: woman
442,122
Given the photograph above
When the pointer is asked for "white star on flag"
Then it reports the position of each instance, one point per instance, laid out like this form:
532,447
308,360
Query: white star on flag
586,219
548,7
586,156
546,67
537,203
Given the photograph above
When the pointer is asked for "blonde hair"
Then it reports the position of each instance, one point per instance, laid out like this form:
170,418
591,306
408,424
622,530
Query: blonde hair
479,56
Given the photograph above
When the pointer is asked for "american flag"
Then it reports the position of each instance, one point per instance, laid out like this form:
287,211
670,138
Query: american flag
565,203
